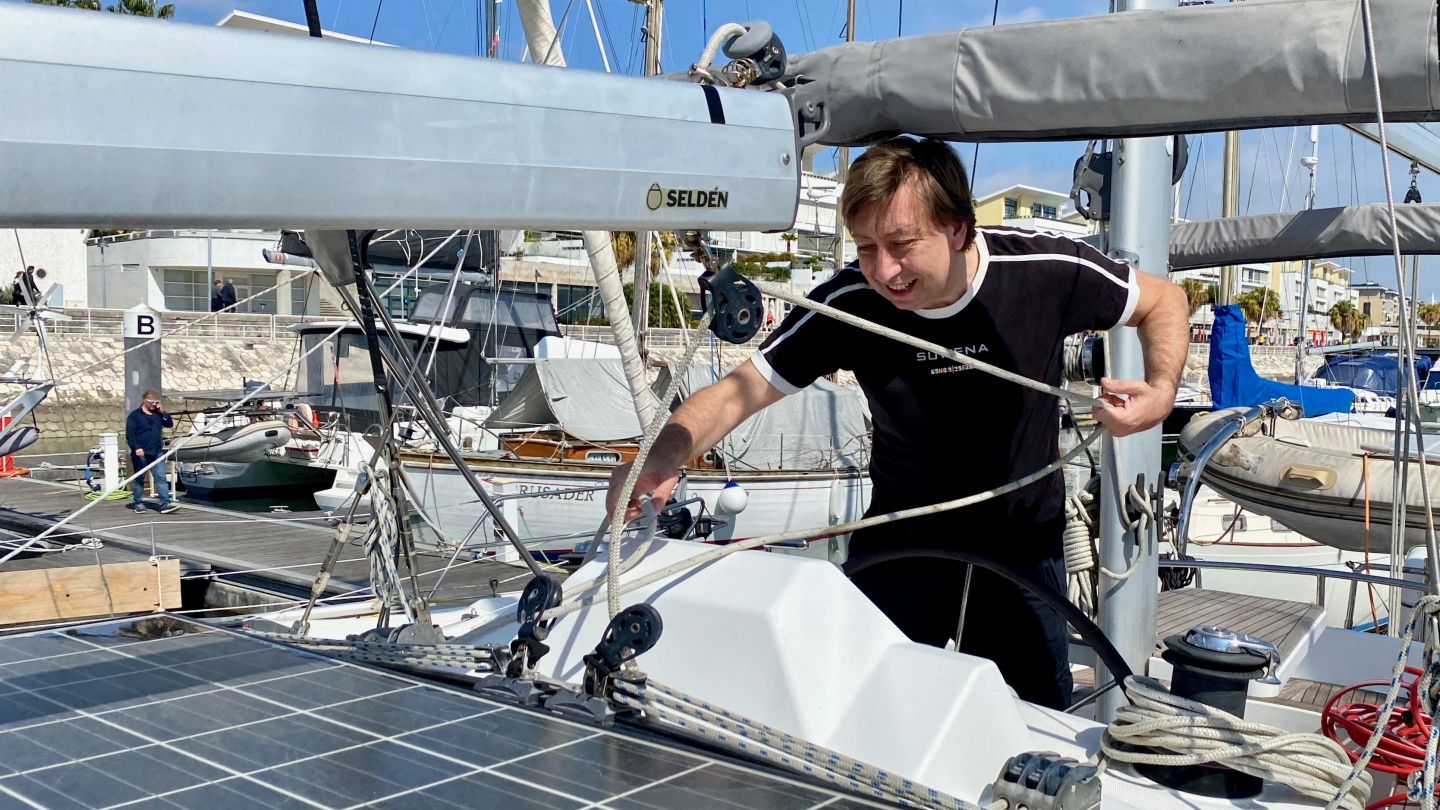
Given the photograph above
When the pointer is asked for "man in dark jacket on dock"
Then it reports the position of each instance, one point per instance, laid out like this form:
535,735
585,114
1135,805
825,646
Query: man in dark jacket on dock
227,295
143,434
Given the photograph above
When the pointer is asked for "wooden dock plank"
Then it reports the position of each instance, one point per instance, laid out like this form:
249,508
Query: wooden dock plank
282,553
84,591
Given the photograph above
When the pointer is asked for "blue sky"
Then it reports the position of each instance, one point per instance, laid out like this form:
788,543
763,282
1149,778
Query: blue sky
1349,171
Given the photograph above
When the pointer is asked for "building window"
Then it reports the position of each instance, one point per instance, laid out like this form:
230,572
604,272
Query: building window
185,290
1012,206
1047,211
1365,307
1035,209
575,303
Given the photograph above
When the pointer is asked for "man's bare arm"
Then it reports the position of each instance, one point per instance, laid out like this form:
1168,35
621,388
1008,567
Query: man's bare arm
696,426
1161,318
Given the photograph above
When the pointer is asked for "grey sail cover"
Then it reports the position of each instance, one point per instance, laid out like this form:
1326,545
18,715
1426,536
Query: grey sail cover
824,426
589,399
1356,230
1195,69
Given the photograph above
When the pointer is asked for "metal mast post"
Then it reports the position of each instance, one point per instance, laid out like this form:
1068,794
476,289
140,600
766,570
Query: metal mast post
1310,163
640,301
842,168
1139,234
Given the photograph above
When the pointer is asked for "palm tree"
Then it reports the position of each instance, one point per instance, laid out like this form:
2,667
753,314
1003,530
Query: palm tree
87,5
1348,319
143,8
133,8
624,244
1258,306
1196,293
1429,314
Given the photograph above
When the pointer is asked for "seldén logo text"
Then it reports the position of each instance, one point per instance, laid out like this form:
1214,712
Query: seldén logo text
659,198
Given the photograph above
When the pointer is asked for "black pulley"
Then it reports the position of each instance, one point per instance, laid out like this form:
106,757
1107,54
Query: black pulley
541,594
674,521
736,300
1214,666
631,632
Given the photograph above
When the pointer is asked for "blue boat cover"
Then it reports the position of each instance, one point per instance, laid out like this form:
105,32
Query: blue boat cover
1234,383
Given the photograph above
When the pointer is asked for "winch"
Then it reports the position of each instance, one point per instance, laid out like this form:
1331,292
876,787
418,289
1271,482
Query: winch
1214,665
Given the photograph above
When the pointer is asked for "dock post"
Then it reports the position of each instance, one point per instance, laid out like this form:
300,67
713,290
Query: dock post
142,361
110,461
1139,234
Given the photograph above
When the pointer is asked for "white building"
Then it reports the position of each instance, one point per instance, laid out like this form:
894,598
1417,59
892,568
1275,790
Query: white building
58,257
173,270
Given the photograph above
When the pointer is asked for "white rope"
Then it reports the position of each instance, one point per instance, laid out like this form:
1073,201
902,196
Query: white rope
735,731
717,39
580,600
613,567
379,543
777,291
1200,734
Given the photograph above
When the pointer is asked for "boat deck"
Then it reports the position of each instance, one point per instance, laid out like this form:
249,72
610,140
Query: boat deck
280,554
1279,621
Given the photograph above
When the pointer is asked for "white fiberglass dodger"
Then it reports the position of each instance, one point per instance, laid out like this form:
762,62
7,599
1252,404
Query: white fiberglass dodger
1321,233
221,128
1183,70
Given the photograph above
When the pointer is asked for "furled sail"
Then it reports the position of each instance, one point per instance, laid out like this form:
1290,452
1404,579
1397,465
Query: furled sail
1355,230
1194,69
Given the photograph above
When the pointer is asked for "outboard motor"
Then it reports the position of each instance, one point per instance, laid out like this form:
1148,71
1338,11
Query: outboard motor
1215,666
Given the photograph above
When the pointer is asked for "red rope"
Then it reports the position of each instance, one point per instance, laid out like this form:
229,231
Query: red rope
1402,746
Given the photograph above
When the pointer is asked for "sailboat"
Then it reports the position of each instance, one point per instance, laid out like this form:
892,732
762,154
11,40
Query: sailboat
762,658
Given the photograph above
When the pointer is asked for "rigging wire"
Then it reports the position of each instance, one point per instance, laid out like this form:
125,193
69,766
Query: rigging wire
378,6
975,158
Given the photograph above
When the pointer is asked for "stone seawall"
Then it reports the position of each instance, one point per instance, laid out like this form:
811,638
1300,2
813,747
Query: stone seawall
92,400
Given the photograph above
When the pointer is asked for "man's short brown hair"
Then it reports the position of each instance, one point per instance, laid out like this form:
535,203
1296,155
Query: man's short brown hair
944,190
150,394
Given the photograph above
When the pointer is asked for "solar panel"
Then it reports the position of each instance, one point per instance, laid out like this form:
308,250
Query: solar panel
162,714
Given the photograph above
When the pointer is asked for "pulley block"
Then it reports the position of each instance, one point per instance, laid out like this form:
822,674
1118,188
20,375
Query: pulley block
739,310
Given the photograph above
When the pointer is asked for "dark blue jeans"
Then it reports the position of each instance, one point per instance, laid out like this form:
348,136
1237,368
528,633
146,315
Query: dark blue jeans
137,487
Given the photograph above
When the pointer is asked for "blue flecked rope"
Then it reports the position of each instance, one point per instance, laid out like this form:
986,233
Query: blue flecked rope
1424,792
721,726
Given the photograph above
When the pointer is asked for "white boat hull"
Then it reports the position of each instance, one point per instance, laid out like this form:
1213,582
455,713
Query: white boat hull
559,506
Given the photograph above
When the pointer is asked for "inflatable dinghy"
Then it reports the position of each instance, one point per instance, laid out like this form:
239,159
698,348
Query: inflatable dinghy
244,443
1312,476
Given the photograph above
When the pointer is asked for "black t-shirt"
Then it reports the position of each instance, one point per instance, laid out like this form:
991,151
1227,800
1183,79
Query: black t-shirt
942,431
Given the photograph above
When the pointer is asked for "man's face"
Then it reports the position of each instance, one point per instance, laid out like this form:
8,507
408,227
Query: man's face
907,257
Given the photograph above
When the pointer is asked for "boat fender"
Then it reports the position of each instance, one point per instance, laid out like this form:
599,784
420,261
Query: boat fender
733,499
1042,780
1233,455
1302,476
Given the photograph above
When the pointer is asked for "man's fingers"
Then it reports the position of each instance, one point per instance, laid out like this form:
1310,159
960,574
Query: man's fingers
1124,386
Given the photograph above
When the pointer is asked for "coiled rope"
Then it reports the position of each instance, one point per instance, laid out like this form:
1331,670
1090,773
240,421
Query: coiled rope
1308,763
379,544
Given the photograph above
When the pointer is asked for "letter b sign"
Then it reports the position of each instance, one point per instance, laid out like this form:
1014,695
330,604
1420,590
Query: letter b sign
141,322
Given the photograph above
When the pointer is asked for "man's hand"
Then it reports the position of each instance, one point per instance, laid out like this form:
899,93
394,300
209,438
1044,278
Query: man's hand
1144,406
139,452
657,477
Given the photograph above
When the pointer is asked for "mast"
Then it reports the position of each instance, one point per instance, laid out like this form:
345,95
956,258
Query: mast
1310,163
1139,234
842,169
640,301
1229,194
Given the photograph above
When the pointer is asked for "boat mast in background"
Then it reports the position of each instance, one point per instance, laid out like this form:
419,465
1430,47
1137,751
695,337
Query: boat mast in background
1229,195
1140,235
842,167
640,300
1309,162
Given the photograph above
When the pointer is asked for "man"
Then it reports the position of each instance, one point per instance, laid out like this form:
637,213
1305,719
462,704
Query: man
227,295
1002,295
143,434
217,297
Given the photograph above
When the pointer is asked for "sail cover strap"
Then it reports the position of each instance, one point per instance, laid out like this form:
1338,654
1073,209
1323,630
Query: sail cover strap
1356,230
1183,70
